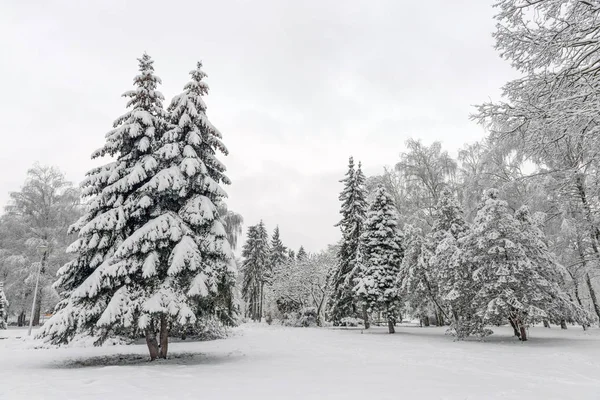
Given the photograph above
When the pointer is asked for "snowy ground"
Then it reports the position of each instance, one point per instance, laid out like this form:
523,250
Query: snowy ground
262,362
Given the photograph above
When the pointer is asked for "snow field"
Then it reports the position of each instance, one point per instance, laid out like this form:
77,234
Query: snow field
272,362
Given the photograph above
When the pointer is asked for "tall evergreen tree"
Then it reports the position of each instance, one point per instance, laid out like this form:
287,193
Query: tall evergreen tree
353,210
535,245
109,219
448,277
382,252
255,269
413,279
3,307
508,283
175,264
277,252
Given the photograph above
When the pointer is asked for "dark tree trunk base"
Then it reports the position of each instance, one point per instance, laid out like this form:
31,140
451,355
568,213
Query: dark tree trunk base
514,326
152,344
391,328
523,336
21,319
164,337
366,317
546,324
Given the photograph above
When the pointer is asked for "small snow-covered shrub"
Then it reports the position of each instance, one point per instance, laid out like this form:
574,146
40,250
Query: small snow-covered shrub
308,317
350,321
204,329
290,319
305,318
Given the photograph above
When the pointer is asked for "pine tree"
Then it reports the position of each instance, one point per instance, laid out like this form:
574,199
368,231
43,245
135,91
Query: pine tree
176,264
255,269
535,245
187,265
353,210
109,219
449,276
413,279
508,282
291,254
382,252
3,307
302,256
278,253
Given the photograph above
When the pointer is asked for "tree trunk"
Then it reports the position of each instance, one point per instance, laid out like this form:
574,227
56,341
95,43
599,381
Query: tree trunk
21,318
426,320
366,316
523,336
164,336
152,344
592,294
457,329
576,286
319,312
439,317
514,326
262,296
594,232
254,304
546,324
563,324
38,308
391,328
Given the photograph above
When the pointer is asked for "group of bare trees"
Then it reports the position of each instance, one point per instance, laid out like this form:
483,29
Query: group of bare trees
33,237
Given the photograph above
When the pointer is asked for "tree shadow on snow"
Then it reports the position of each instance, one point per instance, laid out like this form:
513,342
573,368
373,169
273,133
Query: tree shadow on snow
143,359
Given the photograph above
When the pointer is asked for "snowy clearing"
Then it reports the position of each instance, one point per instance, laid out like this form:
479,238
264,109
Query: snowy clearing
271,362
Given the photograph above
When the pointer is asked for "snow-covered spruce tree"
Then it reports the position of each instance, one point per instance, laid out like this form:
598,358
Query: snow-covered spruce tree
382,252
353,279
278,253
108,218
302,255
354,208
291,254
508,284
3,307
255,269
188,270
562,308
176,265
413,280
452,278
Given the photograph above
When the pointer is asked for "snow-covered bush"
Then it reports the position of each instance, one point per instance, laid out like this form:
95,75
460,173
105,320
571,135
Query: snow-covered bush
204,329
351,322
305,318
308,317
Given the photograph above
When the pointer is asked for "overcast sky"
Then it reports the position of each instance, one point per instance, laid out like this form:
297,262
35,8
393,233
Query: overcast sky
296,88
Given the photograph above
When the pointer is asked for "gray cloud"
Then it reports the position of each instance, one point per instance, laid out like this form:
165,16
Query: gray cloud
296,87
